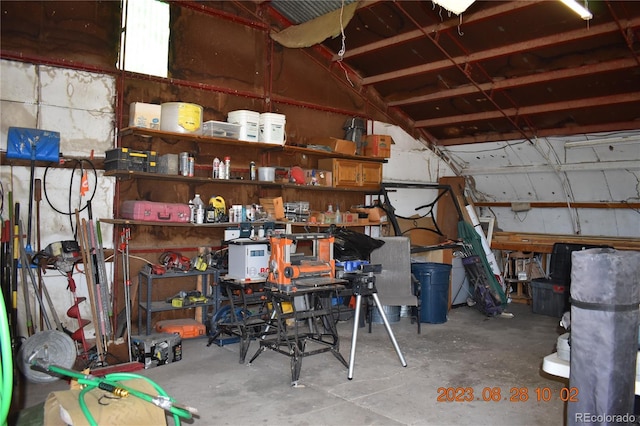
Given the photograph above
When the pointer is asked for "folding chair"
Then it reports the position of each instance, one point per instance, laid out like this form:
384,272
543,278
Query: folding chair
396,285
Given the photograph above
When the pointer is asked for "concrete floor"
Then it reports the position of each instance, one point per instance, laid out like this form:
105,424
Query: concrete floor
468,351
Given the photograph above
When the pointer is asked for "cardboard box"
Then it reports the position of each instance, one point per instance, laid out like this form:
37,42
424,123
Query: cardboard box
378,146
274,207
144,115
375,214
337,145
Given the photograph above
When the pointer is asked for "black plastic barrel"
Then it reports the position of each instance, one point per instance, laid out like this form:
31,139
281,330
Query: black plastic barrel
434,290
604,330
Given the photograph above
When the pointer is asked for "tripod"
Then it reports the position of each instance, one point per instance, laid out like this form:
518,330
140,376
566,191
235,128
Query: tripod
364,284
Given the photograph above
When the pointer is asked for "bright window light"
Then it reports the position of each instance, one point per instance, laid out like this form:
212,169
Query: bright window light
145,38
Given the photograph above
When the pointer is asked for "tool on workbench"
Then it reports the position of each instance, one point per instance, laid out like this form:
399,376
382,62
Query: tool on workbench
173,260
288,270
186,298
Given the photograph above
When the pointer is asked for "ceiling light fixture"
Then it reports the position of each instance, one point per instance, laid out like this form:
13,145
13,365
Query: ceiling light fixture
578,8
605,141
455,6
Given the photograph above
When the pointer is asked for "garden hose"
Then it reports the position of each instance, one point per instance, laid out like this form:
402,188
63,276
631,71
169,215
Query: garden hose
112,383
6,365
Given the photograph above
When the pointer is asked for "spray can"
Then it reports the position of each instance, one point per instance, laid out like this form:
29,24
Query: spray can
252,170
216,168
227,167
184,164
192,166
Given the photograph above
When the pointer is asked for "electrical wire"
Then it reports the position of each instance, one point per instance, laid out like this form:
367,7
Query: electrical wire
1,201
70,212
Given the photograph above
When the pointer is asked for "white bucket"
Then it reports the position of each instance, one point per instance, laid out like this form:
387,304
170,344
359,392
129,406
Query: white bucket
272,128
181,117
248,121
562,347
266,174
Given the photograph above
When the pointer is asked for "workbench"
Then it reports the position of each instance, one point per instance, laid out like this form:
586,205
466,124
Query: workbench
244,318
302,322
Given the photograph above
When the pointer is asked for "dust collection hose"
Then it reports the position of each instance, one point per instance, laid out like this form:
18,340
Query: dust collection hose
6,365
111,383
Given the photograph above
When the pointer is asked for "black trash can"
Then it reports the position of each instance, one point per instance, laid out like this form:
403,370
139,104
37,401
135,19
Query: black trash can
434,290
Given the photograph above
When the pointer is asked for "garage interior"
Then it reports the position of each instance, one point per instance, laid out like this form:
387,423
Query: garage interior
403,198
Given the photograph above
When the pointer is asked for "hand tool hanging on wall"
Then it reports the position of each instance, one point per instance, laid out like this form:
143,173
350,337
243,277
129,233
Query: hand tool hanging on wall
102,286
24,258
63,255
15,255
89,276
74,312
32,144
7,260
38,198
25,293
125,236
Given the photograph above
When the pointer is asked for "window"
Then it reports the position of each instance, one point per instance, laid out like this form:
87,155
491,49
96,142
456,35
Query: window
144,46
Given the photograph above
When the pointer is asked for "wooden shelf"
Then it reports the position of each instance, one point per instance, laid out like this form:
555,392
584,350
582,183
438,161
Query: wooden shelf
125,174
267,147
228,224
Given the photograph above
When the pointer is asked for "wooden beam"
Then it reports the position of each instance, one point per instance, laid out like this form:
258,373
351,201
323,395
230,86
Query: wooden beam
560,204
543,243
520,47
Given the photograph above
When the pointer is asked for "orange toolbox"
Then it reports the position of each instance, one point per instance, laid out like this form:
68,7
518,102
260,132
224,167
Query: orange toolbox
187,328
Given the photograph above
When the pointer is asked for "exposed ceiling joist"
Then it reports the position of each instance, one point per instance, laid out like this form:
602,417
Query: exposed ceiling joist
502,71
535,109
521,81
498,52
419,33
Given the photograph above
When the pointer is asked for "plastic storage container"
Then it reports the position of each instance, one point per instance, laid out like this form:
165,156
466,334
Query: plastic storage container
131,160
220,129
271,128
434,290
186,328
549,298
181,117
248,121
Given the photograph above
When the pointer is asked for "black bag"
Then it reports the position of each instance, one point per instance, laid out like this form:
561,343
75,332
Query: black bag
486,302
352,245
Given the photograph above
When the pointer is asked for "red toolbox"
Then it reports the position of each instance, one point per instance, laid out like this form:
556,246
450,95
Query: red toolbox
155,212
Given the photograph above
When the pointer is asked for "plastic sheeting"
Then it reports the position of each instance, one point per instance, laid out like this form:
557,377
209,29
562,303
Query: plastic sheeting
605,293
